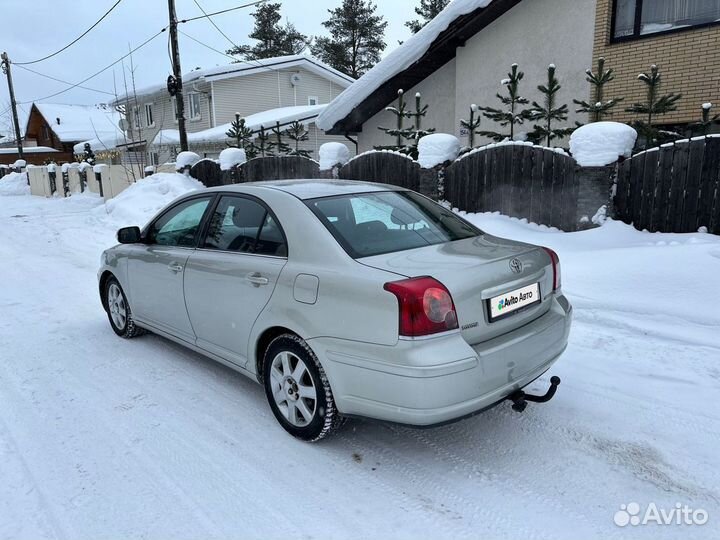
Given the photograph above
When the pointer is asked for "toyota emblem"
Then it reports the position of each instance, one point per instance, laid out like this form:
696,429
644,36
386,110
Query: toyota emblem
516,266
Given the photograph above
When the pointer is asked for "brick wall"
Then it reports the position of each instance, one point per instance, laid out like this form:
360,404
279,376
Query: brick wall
689,62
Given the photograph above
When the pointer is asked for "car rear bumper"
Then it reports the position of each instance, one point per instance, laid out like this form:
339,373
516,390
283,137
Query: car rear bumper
438,380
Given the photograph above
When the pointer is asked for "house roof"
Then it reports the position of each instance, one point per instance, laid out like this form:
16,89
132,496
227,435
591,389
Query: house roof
267,119
250,67
413,61
72,123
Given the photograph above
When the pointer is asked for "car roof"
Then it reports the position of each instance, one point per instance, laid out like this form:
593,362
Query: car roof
315,188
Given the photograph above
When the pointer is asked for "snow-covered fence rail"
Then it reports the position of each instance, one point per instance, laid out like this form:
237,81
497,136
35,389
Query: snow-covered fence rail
519,180
674,188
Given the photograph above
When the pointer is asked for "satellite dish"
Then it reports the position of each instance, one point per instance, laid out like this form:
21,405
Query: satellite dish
123,124
295,79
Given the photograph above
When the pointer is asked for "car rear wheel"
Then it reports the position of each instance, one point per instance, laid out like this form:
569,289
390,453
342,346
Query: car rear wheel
298,389
119,312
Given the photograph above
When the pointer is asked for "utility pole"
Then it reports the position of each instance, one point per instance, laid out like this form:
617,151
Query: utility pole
6,70
176,86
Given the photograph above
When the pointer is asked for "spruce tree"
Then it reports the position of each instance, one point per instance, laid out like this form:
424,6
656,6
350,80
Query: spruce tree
297,133
707,120
263,146
242,136
549,112
279,145
400,132
655,105
428,10
513,115
416,131
599,107
356,38
88,154
273,38
472,125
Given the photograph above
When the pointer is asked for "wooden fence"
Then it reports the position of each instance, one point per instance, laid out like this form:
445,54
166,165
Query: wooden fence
279,168
522,181
674,188
383,167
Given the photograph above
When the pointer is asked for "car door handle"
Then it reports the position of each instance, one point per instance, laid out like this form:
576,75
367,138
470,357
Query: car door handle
257,279
175,267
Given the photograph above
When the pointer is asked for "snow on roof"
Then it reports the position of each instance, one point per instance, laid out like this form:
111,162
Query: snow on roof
244,68
397,61
79,122
106,141
28,150
267,119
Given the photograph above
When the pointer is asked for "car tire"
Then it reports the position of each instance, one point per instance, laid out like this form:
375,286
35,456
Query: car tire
119,312
298,390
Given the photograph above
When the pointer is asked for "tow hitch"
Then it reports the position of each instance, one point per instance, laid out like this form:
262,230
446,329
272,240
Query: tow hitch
520,399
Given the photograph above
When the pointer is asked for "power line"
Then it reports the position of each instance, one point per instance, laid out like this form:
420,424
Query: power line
86,32
208,15
99,72
64,82
207,46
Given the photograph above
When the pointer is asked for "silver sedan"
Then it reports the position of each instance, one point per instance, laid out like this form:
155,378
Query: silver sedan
342,299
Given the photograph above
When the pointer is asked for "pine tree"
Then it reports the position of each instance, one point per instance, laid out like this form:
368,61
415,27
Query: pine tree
274,39
88,154
548,112
242,136
416,132
599,107
280,146
706,120
511,116
428,10
356,38
655,105
472,125
263,146
400,132
297,133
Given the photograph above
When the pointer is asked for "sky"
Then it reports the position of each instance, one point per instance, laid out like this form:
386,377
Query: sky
32,29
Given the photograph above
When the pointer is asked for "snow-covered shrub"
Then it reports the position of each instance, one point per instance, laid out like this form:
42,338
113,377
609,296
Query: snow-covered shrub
332,154
601,143
185,160
436,149
14,184
232,157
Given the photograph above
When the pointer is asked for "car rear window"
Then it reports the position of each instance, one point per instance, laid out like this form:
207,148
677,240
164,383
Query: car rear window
367,224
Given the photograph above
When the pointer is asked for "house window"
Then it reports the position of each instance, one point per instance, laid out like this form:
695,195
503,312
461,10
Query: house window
635,18
136,118
313,100
194,102
149,120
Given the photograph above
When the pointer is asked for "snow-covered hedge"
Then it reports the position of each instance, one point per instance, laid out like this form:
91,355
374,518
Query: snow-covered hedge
186,160
332,154
14,184
232,157
601,143
436,149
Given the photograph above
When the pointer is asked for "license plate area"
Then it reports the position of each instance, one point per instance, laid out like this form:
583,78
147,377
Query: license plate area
513,302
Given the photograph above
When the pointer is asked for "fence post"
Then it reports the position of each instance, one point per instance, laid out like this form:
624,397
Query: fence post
65,181
594,189
429,181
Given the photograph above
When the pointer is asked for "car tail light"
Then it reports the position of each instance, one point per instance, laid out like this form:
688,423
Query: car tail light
556,268
426,306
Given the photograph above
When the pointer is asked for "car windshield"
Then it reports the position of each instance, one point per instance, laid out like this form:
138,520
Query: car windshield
368,224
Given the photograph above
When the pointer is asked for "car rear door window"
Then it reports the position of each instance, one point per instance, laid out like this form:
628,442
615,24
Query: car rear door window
244,225
179,225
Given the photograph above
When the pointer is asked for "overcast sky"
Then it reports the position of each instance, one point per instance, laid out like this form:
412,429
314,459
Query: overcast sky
32,29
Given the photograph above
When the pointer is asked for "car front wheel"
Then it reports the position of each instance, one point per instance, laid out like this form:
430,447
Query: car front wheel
298,389
119,312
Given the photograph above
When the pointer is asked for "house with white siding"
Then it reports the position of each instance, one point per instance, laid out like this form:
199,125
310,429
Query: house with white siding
282,89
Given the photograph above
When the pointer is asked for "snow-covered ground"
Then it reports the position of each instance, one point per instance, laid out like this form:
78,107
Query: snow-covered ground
101,437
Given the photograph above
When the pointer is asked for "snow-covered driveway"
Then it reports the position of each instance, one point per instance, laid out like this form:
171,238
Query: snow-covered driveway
101,437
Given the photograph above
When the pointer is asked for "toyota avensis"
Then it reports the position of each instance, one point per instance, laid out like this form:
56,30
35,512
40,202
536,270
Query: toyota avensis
343,299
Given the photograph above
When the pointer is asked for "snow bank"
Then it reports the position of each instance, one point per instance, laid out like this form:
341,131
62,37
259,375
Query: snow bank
333,153
19,164
232,157
397,61
186,159
436,149
14,184
601,143
142,200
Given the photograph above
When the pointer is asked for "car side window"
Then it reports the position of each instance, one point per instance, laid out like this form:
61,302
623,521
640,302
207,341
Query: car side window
179,226
243,225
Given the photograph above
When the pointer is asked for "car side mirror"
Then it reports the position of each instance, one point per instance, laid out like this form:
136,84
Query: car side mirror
129,235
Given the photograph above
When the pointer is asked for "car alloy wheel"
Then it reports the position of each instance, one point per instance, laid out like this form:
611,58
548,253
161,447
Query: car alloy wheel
293,389
117,307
